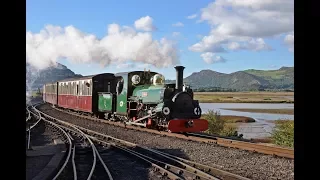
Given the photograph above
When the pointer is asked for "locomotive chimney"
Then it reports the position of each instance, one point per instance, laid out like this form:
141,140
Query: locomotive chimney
179,77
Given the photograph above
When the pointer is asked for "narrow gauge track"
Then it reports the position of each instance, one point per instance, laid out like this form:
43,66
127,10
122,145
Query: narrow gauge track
250,146
82,159
63,135
170,166
31,122
28,114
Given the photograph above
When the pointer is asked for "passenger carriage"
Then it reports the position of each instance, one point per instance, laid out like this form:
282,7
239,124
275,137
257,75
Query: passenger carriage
50,93
81,94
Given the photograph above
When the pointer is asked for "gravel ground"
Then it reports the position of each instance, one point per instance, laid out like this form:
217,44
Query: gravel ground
244,163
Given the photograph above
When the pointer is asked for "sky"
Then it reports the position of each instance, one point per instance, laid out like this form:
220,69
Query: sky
98,36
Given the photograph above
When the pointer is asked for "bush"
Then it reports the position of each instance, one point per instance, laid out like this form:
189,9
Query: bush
218,126
283,133
229,130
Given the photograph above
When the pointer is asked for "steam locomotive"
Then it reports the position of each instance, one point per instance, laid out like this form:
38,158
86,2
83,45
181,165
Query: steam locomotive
137,98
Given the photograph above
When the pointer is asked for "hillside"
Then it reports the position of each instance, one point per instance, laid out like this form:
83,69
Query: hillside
35,78
281,78
247,80
243,80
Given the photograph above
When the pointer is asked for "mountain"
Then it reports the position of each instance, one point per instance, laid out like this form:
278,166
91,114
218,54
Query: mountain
35,78
281,78
247,80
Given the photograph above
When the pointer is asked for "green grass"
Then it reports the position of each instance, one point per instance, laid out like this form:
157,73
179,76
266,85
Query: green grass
283,133
273,74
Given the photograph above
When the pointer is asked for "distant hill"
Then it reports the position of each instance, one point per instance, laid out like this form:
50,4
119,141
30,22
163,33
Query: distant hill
247,80
282,78
35,78
251,79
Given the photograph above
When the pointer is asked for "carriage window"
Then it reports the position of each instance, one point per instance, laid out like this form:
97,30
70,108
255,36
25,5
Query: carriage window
79,93
72,88
84,92
109,84
88,88
77,89
120,86
68,87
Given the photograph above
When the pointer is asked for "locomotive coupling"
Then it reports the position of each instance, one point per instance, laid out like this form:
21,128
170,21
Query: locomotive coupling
189,123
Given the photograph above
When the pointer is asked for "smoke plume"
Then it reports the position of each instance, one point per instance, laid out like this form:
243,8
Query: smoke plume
120,45
32,75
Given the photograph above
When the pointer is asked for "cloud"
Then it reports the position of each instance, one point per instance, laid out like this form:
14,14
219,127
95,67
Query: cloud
145,24
176,34
125,66
289,41
243,25
144,66
252,45
192,16
118,46
178,24
211,58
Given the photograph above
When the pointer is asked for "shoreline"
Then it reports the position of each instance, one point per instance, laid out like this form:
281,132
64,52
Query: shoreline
269,111
245,97
230,119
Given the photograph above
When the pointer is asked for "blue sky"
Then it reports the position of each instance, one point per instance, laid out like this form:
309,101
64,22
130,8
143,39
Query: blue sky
93,17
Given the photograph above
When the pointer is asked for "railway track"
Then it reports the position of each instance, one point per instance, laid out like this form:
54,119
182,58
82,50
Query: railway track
28,114
205,138
31,121
56,130
83,160
170,167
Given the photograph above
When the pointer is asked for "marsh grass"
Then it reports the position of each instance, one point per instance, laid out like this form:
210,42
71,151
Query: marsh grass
283,133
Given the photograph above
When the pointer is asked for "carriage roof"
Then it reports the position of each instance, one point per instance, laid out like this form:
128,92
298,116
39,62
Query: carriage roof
86,77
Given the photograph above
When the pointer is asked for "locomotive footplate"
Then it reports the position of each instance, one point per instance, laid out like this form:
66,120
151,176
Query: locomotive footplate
188,125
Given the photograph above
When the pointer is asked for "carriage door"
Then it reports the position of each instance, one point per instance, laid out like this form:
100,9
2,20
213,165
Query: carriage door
109,88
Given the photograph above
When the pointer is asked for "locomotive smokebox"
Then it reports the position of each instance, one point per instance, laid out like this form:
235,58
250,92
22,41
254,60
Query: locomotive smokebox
179,77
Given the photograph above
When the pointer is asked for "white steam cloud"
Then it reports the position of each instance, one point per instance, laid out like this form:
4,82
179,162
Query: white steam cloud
120,45
32,76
